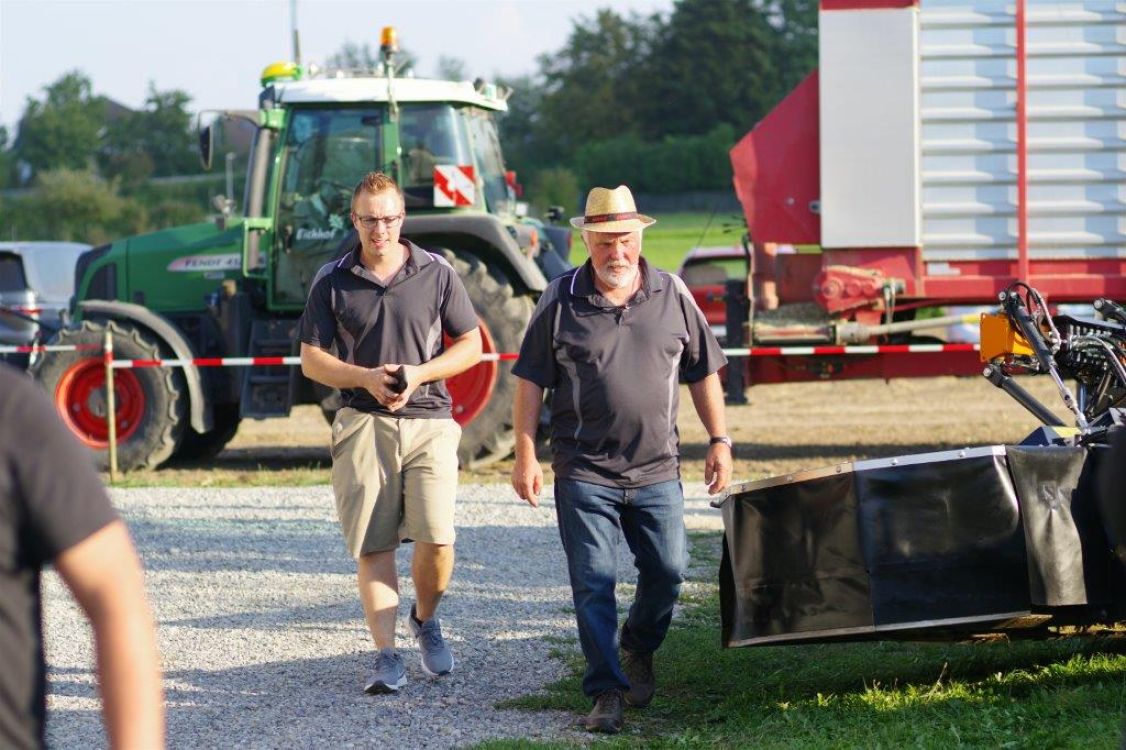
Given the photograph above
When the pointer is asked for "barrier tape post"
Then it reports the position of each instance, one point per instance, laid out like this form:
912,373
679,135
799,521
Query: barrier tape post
111,407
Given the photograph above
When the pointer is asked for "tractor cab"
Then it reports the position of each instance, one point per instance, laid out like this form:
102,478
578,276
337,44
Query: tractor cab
321,130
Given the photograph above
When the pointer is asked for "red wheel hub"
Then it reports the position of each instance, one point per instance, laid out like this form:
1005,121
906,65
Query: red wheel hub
80,399
472,389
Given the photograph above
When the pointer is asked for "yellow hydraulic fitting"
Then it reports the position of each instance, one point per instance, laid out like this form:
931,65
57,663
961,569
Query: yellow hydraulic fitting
999,339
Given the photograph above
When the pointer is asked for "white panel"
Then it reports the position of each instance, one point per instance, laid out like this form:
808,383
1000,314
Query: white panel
869,102
1076,129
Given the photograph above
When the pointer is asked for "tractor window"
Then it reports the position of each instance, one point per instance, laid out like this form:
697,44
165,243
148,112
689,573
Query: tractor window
430,135
486,147
326,153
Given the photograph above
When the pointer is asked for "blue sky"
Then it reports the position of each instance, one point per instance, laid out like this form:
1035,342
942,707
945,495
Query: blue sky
215,49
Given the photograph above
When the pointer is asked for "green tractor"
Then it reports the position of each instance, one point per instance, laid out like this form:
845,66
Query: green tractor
236,287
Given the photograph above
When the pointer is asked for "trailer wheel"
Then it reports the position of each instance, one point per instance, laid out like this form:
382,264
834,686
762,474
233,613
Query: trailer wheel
151,403
197,446
483,394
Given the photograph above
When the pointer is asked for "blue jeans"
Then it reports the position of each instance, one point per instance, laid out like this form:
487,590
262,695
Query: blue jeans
652,521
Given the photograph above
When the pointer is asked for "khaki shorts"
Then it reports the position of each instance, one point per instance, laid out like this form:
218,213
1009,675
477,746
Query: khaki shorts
395,479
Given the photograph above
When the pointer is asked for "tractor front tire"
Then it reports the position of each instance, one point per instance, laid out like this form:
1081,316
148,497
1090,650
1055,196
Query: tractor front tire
151,403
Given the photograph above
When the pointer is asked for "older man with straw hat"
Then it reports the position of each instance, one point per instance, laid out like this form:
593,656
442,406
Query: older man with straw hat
613,339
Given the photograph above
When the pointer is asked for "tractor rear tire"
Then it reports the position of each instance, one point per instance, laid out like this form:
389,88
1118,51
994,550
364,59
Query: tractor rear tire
489,436
151,401
200,446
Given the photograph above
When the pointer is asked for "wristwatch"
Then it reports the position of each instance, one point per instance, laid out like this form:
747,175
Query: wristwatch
721,439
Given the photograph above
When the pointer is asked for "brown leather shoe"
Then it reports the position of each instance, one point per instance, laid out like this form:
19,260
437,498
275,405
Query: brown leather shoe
642,683
606,716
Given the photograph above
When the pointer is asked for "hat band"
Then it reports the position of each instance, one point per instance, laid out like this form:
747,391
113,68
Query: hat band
603,218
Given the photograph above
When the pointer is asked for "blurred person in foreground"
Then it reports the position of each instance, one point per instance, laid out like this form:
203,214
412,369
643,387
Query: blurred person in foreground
613,339
54,511
373,327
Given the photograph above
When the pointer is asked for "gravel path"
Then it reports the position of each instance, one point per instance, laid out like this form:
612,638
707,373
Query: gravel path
263,640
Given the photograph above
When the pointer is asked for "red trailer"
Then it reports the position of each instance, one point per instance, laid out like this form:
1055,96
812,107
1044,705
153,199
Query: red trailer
941,151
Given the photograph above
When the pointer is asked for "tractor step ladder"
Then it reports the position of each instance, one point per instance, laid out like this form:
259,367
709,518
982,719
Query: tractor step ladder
266,389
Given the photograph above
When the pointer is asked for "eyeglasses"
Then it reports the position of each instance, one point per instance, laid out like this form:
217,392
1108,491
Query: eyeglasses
371,222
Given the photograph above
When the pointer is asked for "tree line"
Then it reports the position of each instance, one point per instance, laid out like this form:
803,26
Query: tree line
89,164
657,101
653,101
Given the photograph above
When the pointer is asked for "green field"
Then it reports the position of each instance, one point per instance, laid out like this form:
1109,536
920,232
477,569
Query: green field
1068,693
665,243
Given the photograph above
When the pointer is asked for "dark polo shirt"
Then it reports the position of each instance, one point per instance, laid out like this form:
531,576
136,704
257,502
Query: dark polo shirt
50,500
616,372
369,324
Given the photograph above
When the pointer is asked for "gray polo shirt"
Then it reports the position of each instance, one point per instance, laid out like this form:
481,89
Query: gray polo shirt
615,372
369,324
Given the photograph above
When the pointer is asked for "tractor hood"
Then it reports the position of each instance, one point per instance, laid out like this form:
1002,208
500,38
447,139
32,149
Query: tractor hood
170,270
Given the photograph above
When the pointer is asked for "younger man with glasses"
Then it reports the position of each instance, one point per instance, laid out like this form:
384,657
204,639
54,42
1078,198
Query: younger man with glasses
373,327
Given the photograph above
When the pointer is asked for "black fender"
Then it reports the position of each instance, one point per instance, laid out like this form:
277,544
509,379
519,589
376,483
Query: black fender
482,234
199,407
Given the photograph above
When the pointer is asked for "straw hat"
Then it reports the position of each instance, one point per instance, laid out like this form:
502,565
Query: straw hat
611,211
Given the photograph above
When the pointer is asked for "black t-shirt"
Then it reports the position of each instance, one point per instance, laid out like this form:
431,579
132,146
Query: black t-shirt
369,324
50,500
615,371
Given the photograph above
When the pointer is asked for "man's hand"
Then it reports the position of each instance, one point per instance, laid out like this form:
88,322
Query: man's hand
392,385
401,381
717,468
527,480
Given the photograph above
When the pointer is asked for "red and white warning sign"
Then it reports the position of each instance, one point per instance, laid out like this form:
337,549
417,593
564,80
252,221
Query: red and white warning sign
454,185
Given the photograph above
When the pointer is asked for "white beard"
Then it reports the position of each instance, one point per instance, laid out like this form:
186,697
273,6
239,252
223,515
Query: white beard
617,279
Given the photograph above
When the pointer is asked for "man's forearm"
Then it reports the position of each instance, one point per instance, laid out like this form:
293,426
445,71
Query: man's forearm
526,416
707,398
324,368
105,576
129,675
462,353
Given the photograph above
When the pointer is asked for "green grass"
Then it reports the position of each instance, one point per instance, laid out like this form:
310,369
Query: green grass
229,474
665,243
1051,694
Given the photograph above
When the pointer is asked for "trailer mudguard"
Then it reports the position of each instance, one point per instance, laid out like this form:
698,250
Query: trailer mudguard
198,405
491,236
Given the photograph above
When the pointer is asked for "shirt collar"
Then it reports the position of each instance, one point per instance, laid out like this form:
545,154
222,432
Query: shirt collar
416,259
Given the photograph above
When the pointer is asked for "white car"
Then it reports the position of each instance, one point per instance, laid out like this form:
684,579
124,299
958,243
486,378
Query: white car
36,284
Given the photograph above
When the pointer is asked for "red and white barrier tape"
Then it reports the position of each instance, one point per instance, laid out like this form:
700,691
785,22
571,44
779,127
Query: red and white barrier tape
762,351
806,351
27,348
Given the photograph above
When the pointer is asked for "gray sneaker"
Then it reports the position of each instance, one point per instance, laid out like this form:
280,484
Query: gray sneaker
437,659
390,674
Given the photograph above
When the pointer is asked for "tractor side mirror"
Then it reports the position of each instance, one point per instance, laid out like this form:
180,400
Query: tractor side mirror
206,146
